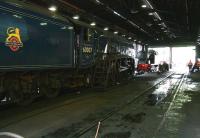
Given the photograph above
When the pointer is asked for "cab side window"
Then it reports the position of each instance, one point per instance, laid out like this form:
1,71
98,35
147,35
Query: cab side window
88,34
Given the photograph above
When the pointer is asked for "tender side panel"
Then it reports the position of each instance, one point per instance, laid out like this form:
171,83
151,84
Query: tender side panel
29,41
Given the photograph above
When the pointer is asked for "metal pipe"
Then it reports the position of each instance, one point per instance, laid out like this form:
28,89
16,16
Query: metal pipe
70,5
187,14
121,16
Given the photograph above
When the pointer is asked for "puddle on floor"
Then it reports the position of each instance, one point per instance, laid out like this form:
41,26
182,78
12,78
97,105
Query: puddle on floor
161,91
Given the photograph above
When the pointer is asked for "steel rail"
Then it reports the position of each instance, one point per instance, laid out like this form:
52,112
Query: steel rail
79,99
32,114
47,109
111,113
177,89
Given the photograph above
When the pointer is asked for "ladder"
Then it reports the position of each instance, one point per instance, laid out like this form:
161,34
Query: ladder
105,72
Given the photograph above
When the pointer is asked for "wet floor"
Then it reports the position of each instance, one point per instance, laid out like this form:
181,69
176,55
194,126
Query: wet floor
63,116
138,120
183,119
163,90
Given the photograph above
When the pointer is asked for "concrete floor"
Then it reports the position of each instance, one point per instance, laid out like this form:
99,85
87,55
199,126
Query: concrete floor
60,117
183,120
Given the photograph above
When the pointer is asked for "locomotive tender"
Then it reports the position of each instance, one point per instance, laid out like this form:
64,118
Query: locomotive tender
40,54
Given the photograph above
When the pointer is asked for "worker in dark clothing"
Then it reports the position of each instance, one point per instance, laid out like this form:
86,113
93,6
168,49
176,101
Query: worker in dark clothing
165,66
190,64
196,66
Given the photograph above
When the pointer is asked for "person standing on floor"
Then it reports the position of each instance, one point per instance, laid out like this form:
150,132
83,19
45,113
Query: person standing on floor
190,64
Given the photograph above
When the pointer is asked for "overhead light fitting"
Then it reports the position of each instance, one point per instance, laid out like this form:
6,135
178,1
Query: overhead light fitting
151,13
76,17
98,1
106,29
70,28
17,16
144,6
43,24
123,35
116,13
53,8
93,24
116,32
129,38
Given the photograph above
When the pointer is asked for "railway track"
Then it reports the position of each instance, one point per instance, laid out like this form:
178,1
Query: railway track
13,108
5,107
45,110
176,90
112,113
94,123
107,116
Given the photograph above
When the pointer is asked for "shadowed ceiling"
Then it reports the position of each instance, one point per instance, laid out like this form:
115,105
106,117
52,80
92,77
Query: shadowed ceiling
160,21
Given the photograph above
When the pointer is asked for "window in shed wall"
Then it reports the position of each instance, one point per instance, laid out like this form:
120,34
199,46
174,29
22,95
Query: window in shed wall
163,54
181,56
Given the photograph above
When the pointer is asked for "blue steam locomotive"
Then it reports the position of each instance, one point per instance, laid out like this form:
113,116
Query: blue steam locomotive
40,54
